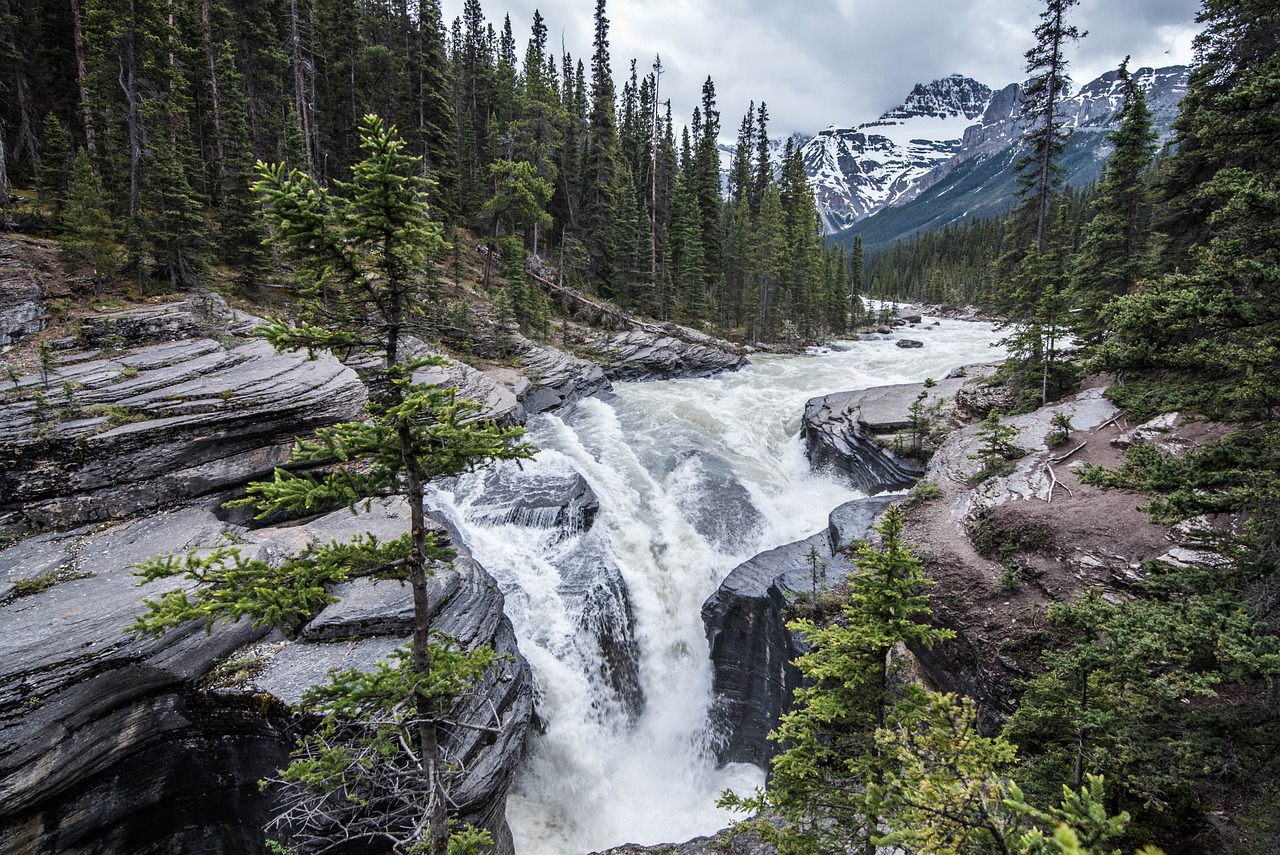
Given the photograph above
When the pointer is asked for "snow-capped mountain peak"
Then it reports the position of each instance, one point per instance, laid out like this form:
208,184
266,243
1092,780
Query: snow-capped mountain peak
857,171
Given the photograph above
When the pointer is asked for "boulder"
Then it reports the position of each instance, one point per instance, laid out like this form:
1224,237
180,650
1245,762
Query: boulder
909,343
558,379
752,650
115,743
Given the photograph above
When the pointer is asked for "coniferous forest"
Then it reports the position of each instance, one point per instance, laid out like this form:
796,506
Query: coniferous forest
157,110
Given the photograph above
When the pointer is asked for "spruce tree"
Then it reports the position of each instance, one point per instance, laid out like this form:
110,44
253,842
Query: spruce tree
824,781
600,169
1116,248
364,261
89,236
1045,134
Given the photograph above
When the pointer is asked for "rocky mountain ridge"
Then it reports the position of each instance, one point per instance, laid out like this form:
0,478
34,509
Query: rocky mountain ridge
859,170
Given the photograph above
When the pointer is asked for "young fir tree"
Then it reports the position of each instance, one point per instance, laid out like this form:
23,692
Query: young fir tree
364,262
89,235
823,782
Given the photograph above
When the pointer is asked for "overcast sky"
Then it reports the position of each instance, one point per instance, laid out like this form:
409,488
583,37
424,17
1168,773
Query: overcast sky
823,62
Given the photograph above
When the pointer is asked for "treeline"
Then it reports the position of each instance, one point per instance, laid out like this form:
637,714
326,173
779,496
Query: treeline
966,263
138,122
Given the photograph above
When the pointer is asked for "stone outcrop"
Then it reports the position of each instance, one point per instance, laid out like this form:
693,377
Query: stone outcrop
851,432
123,434
22,289
664,351
557,379
108,434
114,743
752,649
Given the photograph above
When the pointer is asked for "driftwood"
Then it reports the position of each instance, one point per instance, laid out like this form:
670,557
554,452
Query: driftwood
1054,482
619,318
1061,457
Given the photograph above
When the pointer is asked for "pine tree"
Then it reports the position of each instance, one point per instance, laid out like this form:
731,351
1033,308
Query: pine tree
364,261
1116,252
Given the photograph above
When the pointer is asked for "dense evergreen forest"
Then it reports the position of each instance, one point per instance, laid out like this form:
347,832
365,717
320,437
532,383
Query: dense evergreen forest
137,124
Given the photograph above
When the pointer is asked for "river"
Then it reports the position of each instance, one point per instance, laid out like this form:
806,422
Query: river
692,478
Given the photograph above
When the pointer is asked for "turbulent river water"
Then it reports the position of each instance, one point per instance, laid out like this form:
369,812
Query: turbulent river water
692,478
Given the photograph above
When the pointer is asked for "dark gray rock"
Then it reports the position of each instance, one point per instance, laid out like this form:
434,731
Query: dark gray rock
908,343
752,649
200,316
158,425
558,379
113,743
542,499
22,293
106,738
835,440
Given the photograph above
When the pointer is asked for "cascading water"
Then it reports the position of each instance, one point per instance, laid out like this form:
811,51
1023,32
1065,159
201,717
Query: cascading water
691,478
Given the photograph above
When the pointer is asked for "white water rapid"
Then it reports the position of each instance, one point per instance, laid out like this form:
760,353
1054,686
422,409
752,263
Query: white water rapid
692,477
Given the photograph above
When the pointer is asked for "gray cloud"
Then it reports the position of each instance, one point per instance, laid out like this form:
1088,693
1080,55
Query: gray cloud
826,62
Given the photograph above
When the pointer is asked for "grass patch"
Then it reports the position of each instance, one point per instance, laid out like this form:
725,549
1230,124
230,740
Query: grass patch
115,414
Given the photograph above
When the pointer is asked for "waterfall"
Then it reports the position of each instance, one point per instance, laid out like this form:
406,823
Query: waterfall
607,543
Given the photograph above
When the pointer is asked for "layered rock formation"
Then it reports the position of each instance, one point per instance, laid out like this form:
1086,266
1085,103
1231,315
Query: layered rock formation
848,432
121,744
665,351
751,648
115,743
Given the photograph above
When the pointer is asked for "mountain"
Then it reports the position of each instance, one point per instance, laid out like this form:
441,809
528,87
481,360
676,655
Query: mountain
947,153
860,170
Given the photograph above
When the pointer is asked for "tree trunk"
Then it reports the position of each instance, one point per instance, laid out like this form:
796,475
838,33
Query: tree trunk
299,87
4,174
82,74
219,165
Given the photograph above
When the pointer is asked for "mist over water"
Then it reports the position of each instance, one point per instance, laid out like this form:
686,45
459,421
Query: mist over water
692,477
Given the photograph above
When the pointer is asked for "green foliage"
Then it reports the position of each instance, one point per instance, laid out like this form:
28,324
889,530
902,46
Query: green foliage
923,491
226,586
821,780
1125,698
1060,429
918,440
996,450
946,790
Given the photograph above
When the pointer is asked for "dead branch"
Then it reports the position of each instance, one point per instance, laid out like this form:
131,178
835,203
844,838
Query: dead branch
1054,482
1112,420
1061,457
